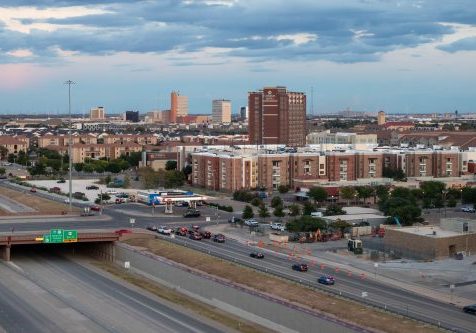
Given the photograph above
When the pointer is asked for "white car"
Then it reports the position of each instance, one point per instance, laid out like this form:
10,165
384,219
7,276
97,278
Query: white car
164,230
468,209
277,226
251,222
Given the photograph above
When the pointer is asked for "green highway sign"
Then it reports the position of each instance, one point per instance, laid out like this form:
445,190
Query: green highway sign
70,236
61,236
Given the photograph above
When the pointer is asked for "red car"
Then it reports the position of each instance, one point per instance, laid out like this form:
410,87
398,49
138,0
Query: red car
121,232
95,208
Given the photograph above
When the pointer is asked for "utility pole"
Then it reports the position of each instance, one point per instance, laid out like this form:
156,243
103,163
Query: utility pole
70,150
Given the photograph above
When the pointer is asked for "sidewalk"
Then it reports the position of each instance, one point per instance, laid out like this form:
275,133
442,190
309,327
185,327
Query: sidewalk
369,274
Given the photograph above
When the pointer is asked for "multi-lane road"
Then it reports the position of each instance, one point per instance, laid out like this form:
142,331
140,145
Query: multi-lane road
368,291
52,294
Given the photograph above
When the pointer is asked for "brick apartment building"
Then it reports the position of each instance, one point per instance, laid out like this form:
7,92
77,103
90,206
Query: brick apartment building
277,116
140,139
14,145
62,140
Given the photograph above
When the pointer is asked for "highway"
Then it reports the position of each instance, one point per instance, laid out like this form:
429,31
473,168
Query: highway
396,299
48,293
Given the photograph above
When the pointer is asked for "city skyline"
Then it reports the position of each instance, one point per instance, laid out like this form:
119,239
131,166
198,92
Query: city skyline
398,56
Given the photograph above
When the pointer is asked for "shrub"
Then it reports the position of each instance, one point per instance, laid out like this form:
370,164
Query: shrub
256,202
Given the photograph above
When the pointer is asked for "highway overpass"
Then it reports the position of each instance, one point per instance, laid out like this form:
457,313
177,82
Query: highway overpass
94,241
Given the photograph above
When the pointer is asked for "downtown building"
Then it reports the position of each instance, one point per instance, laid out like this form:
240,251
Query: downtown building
221,111
277,116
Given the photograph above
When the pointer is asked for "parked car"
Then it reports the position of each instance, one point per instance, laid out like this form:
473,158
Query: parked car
122,195
470,309
92,187
121,232
95,208
164,230
55,189
151,227
257,255
327,280
251,223
235,220
468,209
112,192
191,213
277,226
300,267
206,234
181,231
195,236
120,200
219,238
61,181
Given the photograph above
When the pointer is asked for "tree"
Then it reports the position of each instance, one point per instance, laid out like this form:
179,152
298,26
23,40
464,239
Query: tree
171,165
263,211
364,192
88,168
276,201
278,211
334,210
256,202
11,158
294,210
433,192
347,193
133,158
78,167
127,181
187,170
174,178
113,167
308,208
451,202
341,225
283,189
306,224
382,192
2,171
247,213
148,177
318,194
3,152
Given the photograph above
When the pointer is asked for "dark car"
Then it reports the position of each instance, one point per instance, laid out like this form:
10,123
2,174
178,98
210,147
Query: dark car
470,309
61,181
191,213
326,279
300,267
195,236
257,255
219,238
92,187
206,234
151,227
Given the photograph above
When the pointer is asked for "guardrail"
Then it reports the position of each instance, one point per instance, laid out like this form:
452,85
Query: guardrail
388,307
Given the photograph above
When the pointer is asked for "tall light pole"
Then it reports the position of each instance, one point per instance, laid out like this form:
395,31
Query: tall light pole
70,150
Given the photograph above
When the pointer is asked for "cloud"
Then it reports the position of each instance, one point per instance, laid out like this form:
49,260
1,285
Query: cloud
332,30
465,44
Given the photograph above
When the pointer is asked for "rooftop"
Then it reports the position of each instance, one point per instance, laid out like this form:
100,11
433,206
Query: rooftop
434,232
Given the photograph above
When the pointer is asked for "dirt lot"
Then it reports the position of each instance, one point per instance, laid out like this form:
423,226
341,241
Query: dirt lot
342,309
40,205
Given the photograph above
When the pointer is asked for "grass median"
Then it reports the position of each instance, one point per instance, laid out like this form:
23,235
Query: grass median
175,297
332,305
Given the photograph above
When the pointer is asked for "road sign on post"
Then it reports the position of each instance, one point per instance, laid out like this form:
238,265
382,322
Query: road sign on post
46,238
56,235
70,236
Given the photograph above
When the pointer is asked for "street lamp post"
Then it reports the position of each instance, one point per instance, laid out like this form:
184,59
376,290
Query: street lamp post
70,150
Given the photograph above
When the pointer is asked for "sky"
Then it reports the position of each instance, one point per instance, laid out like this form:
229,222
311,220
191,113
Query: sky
401,56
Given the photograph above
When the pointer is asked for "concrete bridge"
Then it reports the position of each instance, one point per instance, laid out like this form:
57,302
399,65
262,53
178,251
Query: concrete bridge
95,241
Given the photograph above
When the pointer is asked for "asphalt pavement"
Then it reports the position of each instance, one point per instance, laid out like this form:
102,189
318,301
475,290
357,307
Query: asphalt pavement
52,294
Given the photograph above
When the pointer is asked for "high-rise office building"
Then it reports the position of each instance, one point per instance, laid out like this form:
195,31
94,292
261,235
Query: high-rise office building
221,111
97,113
244,112
277,116
381,118
132,116
178,106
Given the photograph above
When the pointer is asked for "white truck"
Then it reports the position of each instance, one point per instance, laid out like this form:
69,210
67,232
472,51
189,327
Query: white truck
277,226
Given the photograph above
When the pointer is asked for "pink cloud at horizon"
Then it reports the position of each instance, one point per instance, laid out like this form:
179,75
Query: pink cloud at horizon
16,76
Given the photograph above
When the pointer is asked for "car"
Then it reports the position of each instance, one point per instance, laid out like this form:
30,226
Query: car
257,255
66,200
251,223
181,231
121,232
112,192
470,309
55,189
61,181
277,226
235,220
7,163
468,209
206,234
219,238
33,190
300,267
95,208
164,230
191,213
151,227
182,204
120,200
195,236
92,187
327,280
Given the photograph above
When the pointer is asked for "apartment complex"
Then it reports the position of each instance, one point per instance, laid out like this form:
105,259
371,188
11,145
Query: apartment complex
355,139
277,116
97,113
221,111
63,140
14,145
80,152
178,106
228,169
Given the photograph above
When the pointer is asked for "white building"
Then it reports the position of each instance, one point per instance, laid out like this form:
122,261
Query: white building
221,111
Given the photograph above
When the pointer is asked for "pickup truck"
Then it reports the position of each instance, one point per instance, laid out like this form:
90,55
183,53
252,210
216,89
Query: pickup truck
277,226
